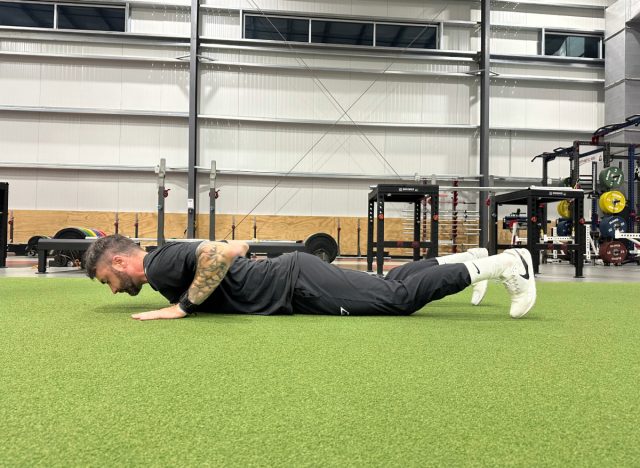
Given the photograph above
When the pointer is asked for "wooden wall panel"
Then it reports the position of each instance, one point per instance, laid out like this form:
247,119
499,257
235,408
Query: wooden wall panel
28,223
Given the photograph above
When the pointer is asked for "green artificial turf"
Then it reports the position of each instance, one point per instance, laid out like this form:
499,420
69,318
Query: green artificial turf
81,384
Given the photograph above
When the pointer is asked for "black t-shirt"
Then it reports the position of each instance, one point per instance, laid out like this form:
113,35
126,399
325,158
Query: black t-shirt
249,287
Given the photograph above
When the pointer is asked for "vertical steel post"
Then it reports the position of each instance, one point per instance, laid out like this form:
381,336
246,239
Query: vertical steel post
380,234
631,196
192,208
370,236
485,96
212,201
417,212
161,197
4,208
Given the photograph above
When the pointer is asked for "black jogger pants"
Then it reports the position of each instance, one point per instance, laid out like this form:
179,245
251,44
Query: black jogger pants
322,288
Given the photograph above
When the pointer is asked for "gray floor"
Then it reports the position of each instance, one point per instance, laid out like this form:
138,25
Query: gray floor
23,267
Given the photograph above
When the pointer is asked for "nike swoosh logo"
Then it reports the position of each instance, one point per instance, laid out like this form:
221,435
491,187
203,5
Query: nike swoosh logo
477,269
343,311
526,267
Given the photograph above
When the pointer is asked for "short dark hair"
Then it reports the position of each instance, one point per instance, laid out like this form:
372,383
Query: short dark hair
104,247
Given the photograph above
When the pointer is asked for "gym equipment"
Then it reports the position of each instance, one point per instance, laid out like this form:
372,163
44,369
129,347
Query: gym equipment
613,252
536,200
358,232
404,193
32,245
162,194
322,245
339,231
73,257
609,224
213,195
605,154
69,248
514,218
612,202
564,209
4,213
607,129
611,177
564,226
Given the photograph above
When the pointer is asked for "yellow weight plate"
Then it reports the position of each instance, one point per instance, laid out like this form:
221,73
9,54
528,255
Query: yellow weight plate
612,202
564,209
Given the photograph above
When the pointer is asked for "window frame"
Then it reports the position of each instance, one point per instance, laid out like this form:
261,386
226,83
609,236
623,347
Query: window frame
124,6
36,3
258,15
436,26
90,5
557,32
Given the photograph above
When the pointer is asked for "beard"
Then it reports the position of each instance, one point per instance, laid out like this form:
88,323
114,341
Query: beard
127,285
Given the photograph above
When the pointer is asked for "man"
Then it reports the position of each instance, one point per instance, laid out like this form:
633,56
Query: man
217,277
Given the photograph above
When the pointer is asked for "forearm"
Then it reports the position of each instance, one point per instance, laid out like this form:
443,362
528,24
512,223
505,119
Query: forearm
214,260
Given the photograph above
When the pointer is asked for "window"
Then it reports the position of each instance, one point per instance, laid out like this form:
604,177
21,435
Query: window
566,45
26,15
341,32
275,28
398,35
336,31
90,18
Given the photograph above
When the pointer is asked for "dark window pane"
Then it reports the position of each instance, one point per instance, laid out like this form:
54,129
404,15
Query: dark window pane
276,29
90,18
415,37
28,15
341,32
555,45
572,46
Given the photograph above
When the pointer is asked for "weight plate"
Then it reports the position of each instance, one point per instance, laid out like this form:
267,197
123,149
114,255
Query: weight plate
564,209
609,224
611,177
613,252
563,227
97,232
88,232
322,245
612,202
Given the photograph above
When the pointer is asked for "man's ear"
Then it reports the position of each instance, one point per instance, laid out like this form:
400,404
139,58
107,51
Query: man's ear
119,262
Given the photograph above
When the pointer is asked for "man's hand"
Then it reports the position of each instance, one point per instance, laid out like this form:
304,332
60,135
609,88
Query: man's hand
171,312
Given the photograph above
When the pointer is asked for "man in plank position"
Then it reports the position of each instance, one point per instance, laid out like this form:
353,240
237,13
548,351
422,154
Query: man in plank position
217,277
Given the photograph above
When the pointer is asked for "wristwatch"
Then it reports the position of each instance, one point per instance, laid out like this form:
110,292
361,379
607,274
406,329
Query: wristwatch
186,305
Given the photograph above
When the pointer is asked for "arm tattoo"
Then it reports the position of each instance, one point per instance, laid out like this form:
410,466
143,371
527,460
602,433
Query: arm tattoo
212,266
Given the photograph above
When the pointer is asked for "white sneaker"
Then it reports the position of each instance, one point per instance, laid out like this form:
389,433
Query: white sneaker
479,288
520,282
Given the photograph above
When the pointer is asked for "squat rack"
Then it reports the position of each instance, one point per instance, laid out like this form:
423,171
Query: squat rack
575,158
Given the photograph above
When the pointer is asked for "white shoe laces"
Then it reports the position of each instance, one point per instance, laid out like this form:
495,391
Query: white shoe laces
514,284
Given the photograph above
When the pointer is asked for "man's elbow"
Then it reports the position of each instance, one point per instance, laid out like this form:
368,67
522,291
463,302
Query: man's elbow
236,248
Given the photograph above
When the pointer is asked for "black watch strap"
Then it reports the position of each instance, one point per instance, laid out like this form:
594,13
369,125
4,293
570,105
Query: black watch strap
186,305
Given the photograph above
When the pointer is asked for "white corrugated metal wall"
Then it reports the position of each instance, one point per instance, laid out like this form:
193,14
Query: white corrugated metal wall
82,100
